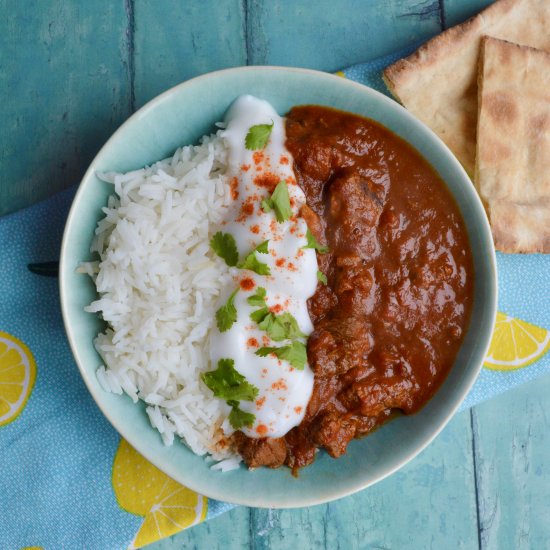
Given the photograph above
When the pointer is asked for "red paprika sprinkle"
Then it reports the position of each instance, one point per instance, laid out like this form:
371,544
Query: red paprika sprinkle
252,343
260,402
247,283
262,429
267,180
279,385
233,186
257,157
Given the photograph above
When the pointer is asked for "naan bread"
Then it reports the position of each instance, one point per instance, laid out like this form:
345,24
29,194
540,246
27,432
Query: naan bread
437,83
513,146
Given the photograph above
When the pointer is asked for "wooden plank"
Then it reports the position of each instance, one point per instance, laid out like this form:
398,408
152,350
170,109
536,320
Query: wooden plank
457,11
512,447
175,40
229,531
65,88
428,504
329,37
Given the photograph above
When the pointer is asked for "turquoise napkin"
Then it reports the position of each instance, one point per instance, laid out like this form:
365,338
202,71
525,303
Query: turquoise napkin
67,480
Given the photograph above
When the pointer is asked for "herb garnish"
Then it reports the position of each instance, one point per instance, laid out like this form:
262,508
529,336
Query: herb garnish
262,248
313,243
225,246
258,298
259,315
321,277
258,136
227,314
281,327
279,202
227,383
294,353
252,263
278,327
239,418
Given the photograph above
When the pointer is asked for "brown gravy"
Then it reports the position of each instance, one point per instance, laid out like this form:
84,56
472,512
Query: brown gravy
390,321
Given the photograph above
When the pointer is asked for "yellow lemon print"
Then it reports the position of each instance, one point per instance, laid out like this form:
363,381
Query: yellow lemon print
516,344
17,376
142,489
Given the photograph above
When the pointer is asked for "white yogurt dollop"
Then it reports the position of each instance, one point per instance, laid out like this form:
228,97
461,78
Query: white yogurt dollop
284,391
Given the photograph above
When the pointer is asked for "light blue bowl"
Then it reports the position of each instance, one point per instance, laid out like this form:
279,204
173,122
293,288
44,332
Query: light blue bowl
181,116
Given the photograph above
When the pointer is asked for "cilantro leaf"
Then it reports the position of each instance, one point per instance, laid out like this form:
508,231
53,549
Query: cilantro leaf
290,325
259,315
279,202
258,298
227,314
265,351
227,383
225,246
274,330
239,418
280,327
252,263
262,247
313,243
294,353
258,136
321,277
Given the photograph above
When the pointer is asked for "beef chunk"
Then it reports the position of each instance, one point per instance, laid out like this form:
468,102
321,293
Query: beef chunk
301,450
371,397
355,206
338,344
333,431
268,452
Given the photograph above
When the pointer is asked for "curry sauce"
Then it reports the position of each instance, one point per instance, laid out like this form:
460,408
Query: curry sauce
390,320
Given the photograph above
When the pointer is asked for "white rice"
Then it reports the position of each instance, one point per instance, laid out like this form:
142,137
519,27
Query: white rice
159,284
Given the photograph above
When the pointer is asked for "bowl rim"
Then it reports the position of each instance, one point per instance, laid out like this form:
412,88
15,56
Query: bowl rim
443,149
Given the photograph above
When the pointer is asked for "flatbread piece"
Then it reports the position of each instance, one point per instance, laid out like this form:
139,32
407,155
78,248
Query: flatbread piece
437,83
513,147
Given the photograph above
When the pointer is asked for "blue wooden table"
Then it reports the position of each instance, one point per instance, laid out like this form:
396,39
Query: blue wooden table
81,68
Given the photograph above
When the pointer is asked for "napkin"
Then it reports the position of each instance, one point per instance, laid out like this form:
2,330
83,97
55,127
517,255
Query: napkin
68,480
